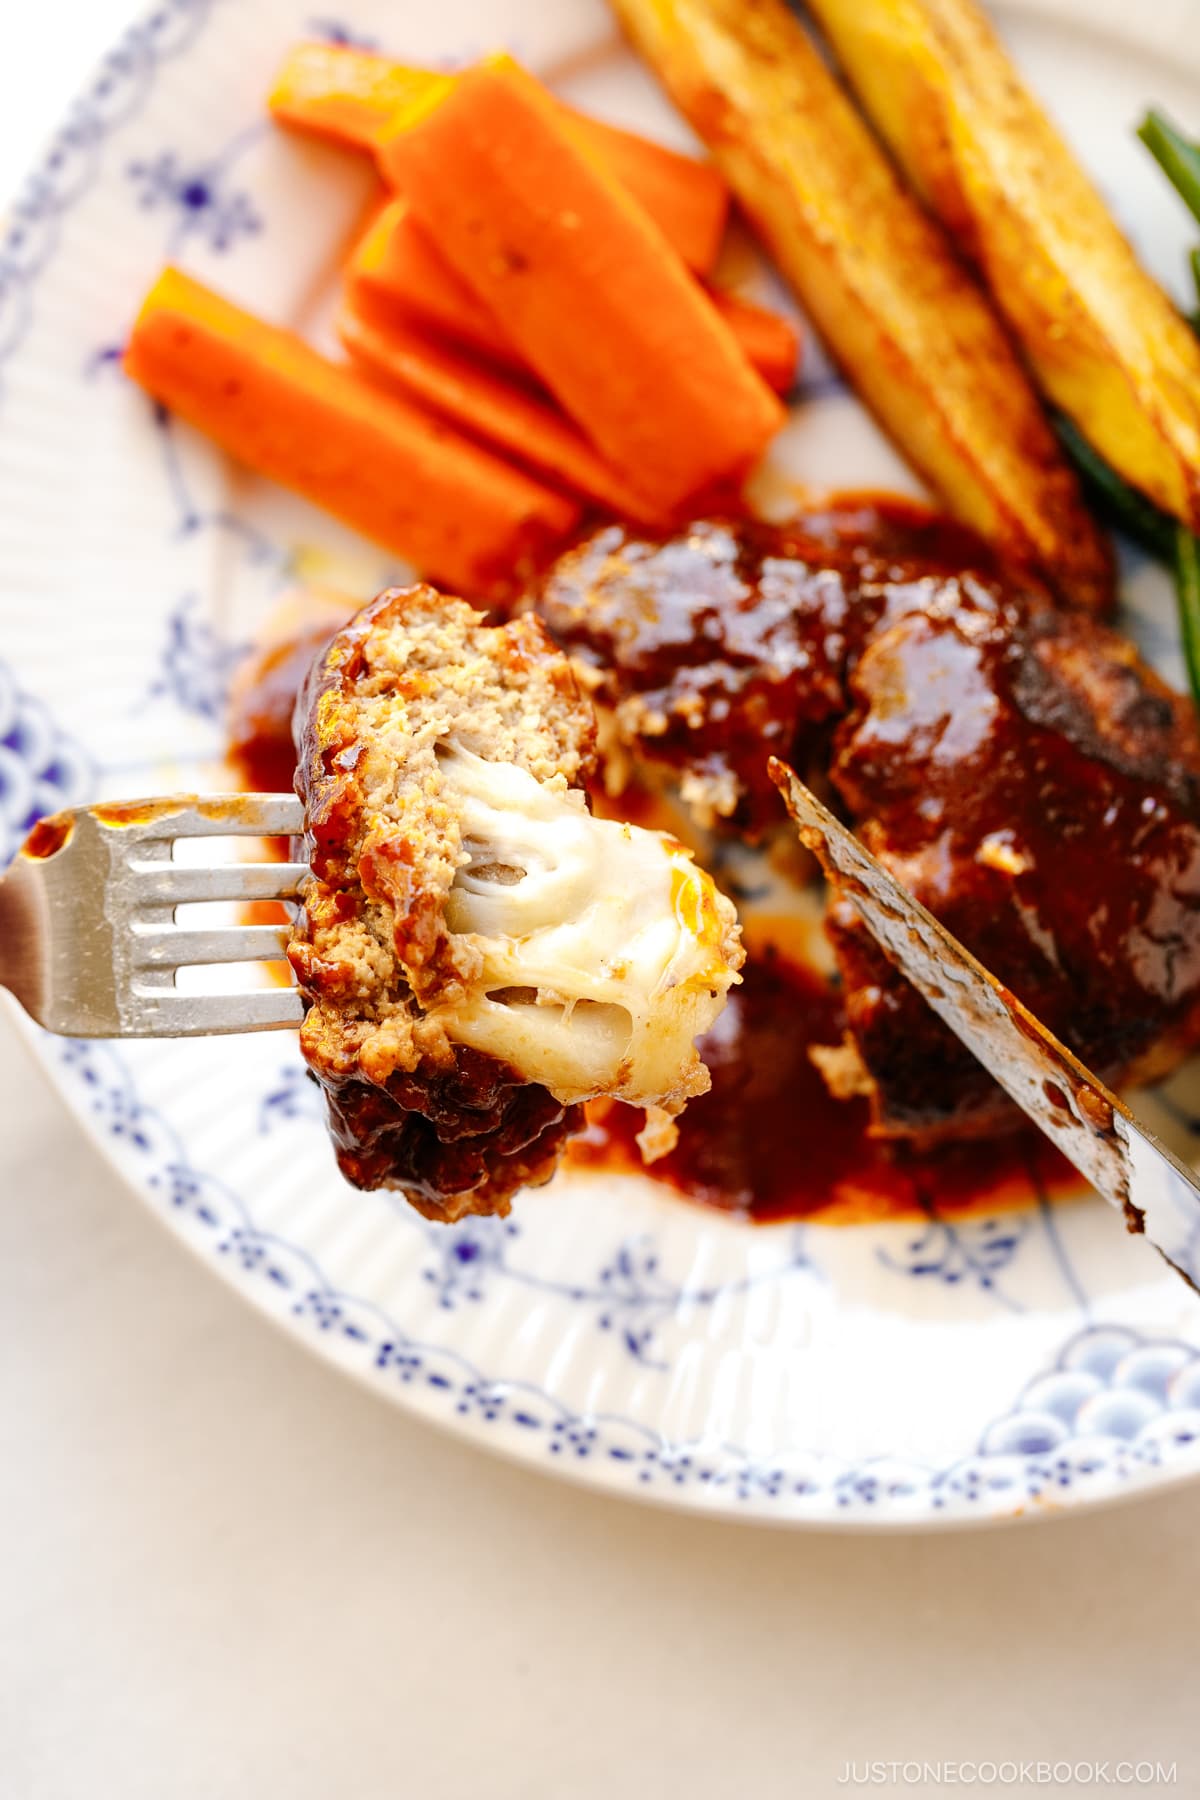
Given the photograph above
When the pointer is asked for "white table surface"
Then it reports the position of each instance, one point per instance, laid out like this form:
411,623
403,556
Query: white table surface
227,1572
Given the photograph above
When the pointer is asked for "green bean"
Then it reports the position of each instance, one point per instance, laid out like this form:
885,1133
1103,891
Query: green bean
1177,156
1119,504
1187,595
1179,159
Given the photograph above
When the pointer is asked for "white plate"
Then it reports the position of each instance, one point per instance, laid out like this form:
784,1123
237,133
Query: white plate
883,1376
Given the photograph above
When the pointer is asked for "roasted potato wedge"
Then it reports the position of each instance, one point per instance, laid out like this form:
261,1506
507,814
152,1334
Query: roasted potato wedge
1102,338
907,323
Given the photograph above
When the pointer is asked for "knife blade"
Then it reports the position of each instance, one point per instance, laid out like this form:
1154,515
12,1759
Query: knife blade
1157,1194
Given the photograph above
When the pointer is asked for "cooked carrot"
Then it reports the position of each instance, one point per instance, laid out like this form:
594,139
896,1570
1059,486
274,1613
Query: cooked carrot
344,94
352,96
388,469
583,283
482,402
396,258
768,340
688,200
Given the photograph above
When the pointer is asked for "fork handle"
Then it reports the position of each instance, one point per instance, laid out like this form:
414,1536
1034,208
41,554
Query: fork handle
21,935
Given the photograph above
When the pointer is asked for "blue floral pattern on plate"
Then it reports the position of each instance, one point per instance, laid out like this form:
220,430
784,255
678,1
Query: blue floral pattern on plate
196,663
1114,1401
202,203
71,163
41,768
974,1251
631,1295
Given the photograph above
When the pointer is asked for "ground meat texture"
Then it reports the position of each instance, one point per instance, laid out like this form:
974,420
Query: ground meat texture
455,1130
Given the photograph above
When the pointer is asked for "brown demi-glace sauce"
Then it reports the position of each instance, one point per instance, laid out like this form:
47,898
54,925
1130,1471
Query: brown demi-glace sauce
729,643
769,1142
260,721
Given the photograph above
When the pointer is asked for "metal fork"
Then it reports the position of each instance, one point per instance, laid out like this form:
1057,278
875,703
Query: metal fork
88,939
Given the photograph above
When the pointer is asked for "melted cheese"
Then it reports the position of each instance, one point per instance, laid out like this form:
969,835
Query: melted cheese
604,950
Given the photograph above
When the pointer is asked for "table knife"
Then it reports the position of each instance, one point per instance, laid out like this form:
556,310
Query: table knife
1157,1194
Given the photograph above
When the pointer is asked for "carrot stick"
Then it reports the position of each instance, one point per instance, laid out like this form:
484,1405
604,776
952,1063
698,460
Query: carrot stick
482,402
768,340
397,259
384,467
351,96
688,200
344,94
583,283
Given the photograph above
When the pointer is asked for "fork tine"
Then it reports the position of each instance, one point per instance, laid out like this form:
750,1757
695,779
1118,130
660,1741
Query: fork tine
218,815
170,946
250,815
164,1012
177,884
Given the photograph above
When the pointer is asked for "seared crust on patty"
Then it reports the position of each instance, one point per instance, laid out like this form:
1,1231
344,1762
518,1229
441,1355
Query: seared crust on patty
1034,784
